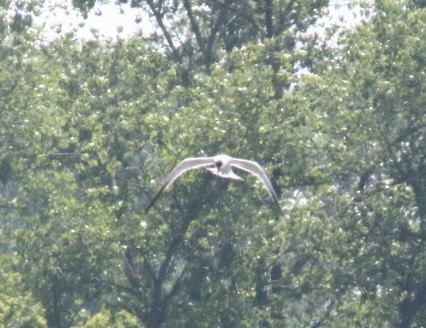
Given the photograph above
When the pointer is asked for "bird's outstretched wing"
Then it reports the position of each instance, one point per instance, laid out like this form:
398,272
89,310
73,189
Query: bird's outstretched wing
255,169
186,165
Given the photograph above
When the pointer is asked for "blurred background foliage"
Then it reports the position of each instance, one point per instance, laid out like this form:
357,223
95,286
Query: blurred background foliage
89,128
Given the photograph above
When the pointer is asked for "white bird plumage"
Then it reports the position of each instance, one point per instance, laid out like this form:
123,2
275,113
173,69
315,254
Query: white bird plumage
222,167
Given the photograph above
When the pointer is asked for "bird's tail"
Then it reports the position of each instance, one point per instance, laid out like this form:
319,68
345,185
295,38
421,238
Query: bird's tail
229,175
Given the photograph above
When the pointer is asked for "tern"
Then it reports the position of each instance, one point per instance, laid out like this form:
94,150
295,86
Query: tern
221,166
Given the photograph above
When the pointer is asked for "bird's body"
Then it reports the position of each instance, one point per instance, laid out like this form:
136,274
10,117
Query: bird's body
222,167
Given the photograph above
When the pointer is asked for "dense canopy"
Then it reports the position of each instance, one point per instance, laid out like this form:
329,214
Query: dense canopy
88,130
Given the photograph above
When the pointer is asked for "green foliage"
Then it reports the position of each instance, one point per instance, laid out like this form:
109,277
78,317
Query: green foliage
88,131
121,319
18,308
378,120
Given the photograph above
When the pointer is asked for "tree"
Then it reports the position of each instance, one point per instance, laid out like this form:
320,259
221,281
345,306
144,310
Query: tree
100,121
375,108
197,33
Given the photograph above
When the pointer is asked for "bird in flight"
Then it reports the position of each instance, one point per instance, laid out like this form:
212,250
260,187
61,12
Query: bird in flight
221,165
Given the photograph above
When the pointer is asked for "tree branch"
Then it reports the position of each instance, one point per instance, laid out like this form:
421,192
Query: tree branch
176,286
194,27
212,37
268,18
282,25
159,18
